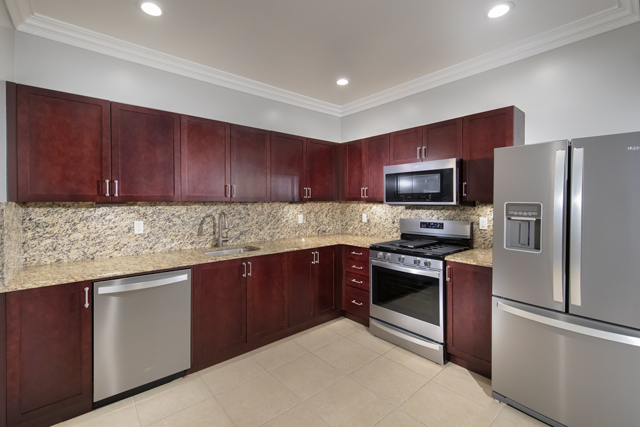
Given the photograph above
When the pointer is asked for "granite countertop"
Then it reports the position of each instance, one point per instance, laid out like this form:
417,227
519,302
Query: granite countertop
100,269
480,257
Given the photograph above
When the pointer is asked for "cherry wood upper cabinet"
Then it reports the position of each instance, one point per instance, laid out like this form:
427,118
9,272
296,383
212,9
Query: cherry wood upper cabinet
287,168
406,146
145,151
49,354
219,305
376,158
482,133
443,140
300,287
322,180
250,156
205,159
59,146
266,294
354,170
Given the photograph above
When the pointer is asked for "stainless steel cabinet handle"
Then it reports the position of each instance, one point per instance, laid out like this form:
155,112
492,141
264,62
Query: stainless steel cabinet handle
418,155
366,192
249,269
357,268
309,192
558,222
244,264
448,270
424,152
464,189
575,258
115,193
318,259
141,285
356,253
356,303
233,190
107,182
86,297
362,192
355,281
226,190
314,257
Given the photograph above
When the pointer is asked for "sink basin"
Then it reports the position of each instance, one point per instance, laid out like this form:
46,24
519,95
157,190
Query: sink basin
232,251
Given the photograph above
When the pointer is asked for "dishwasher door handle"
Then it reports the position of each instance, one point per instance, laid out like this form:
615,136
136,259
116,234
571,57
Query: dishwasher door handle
142,285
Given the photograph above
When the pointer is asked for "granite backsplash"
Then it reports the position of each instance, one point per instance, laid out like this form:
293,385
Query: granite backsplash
44,233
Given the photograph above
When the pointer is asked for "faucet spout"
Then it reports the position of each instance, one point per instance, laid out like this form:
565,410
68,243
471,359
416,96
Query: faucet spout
222,239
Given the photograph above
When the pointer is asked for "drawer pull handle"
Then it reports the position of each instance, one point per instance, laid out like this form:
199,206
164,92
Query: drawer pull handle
356,253
86,297
356,303
357,268
355,281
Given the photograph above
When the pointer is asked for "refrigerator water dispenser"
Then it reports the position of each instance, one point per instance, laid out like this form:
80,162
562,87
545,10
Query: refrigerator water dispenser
523,223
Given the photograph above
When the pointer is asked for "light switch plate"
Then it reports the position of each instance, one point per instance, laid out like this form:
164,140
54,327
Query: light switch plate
300,219
137,227
484,223
364,217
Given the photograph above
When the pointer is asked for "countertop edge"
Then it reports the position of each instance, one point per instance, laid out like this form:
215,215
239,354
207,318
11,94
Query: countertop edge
477,257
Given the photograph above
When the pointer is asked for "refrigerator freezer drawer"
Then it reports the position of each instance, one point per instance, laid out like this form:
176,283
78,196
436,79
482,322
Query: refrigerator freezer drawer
575,371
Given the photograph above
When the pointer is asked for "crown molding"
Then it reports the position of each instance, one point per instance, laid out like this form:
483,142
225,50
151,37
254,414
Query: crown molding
626,12
24,19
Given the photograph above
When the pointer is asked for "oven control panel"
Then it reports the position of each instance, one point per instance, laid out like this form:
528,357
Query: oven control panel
406,260
432,225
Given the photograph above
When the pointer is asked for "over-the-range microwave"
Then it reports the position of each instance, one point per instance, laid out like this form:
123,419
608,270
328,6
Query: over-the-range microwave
424,183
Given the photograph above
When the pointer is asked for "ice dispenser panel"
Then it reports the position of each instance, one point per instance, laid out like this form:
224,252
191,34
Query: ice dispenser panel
523,223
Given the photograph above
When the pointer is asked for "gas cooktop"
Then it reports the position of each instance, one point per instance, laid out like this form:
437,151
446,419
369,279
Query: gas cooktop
424,248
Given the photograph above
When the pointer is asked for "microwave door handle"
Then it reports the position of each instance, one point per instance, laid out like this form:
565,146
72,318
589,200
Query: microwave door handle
558,225
575,257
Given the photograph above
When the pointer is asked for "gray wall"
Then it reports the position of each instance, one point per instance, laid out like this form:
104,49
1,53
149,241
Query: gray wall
7,72
587,88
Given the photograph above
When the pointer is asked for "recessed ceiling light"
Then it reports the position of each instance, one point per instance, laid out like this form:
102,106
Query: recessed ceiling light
500,10
343,82
151,8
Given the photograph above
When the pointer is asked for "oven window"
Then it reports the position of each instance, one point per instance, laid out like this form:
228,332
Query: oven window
409,294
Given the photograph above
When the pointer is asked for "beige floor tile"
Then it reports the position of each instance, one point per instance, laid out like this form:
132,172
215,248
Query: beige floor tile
399,418
348,404
345,327
307,375
468,384
277,356
160,402
207,413
346,355
257,401
371,342
317,339
512,417
299,416
224,378
416,363
435,405
389,380
122,414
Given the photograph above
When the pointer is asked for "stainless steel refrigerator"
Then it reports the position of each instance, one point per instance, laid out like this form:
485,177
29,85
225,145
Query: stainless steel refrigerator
566,280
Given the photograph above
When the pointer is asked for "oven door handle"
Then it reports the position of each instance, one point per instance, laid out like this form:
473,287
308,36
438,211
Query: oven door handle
436,274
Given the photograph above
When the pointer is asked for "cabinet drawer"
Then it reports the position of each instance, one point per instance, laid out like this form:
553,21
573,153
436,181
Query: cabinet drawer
357,281
360,267
356,302
357,254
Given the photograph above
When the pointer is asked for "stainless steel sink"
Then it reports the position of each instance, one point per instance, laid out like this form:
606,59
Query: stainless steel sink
232,251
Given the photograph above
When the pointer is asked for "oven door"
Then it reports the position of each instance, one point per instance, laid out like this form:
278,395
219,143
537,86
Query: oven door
409,298
427,183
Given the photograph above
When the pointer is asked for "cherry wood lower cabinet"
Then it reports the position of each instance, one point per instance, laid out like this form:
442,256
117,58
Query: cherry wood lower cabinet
266,295
355,278
49,354
468,323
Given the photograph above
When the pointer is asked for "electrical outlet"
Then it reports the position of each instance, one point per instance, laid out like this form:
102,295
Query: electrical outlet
300,219
484,223
364,217
137,227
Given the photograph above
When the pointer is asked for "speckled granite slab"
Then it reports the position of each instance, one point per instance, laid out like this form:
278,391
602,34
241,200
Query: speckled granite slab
480,257
69,272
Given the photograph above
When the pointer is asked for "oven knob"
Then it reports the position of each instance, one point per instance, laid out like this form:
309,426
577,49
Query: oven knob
387,257
427,263
380,255
401,258
417,261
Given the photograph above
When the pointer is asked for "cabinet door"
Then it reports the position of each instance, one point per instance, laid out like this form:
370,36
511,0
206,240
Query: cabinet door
469,316
406,146
377,157
354,170
324,272
145,147
482,133
287,168
443,140
49,354
266,291
219,310
300,286
249,164
63,146
205,159
321,171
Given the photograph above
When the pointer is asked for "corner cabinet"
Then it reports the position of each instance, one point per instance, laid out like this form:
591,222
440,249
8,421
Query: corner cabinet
49,354
468,324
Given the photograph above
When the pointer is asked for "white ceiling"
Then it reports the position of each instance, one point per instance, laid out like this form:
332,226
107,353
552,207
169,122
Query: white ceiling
287,48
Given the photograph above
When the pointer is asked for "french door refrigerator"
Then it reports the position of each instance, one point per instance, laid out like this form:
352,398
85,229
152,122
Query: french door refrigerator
566,280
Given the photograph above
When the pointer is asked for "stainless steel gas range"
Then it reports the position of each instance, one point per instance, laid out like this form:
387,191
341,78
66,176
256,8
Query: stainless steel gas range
407,284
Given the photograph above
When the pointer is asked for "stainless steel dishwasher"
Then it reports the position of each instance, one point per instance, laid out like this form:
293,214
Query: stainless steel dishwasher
141,333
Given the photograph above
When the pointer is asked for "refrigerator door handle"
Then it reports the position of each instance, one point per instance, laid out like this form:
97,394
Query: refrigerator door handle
575,257
578,329
558,222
